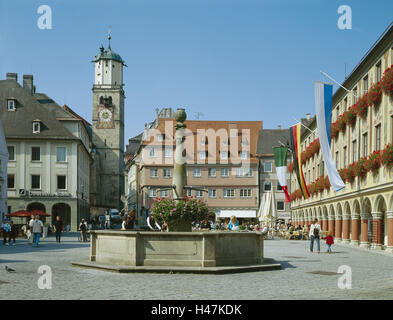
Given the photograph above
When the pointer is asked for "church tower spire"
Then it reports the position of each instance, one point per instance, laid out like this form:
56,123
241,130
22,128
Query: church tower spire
108,125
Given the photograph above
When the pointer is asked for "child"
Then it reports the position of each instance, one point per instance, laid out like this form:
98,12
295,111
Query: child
329,242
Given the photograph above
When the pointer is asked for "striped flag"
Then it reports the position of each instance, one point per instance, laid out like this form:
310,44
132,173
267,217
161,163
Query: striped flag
296,151
323,106
280,161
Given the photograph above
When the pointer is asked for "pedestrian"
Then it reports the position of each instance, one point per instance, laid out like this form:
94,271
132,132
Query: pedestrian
13,233
36,228
59,227
315,232
329,242
31,232
83,230
6,231
233,224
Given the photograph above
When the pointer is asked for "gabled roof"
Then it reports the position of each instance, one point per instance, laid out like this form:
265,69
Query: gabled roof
18,124
269,138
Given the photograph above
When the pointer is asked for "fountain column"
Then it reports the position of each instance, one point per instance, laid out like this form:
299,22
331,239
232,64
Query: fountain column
179,170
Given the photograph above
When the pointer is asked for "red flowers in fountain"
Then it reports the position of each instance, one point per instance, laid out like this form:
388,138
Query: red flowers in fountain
387,81
373,161
387,156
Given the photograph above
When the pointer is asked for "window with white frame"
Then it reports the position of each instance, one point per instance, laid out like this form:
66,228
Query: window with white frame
35,181
267,167
152,193
153,173
160,137
35,154
224,172
36,127
198,193
61,154
354,151
224,155
245,193
152,152
164,193
229,193
196,172
212,193
11,153
212,172
61,182
188,192
243,155
11,103
280,205
168,152
11,181
202,155
166,173
267,186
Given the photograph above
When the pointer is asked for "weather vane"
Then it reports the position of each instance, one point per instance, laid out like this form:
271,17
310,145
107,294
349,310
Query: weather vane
109,35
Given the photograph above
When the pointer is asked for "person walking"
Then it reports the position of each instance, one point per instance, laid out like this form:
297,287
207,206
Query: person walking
6,231
36,228
31,231
59,227
83,230
315,233
13,233
329,242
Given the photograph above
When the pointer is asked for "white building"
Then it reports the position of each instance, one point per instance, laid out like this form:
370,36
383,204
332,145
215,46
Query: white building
3,173
49,153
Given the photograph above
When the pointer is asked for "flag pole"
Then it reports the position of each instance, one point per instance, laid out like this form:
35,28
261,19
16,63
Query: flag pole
327,76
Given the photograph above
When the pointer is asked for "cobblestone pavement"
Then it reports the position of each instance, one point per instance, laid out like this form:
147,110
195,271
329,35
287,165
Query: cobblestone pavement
372,276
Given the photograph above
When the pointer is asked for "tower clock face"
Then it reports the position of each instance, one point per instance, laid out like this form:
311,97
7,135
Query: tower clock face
105,118
105,115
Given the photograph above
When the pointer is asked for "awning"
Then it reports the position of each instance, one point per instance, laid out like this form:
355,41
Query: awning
237,213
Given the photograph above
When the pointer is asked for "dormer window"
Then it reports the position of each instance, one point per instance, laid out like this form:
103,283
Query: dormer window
11,104
36,126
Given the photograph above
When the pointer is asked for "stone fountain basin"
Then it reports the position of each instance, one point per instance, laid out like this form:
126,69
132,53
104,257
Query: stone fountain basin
207,251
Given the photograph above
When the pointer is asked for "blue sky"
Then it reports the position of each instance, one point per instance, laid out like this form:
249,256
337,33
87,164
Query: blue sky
229,59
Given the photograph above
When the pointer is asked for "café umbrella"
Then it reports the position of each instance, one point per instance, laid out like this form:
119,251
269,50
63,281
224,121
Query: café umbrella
24,213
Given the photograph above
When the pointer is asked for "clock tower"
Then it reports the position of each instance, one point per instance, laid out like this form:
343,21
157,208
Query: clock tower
108,127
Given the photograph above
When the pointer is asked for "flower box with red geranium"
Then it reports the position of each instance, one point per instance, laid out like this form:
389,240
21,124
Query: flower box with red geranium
350,117
320,184
373,161
342,173
387,81
361,107
387,156
308,152
358,168
327,183
341,124
315,146
303,158
312,189
374,94
334,130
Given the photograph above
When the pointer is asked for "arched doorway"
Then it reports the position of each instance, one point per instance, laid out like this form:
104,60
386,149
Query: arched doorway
37,206
382,232
62,210
368,217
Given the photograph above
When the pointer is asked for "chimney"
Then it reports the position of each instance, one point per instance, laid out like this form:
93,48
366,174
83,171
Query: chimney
157,117
12,76
279,127
308,116
28,83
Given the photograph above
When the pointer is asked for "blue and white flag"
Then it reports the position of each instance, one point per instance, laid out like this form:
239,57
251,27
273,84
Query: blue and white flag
323,106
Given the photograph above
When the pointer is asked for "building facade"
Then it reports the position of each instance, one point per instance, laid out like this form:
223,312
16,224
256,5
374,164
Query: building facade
3,173
49,153
108,128
268,182
362,212
221,159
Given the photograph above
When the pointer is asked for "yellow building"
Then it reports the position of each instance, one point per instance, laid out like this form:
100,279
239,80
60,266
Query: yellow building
362,212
